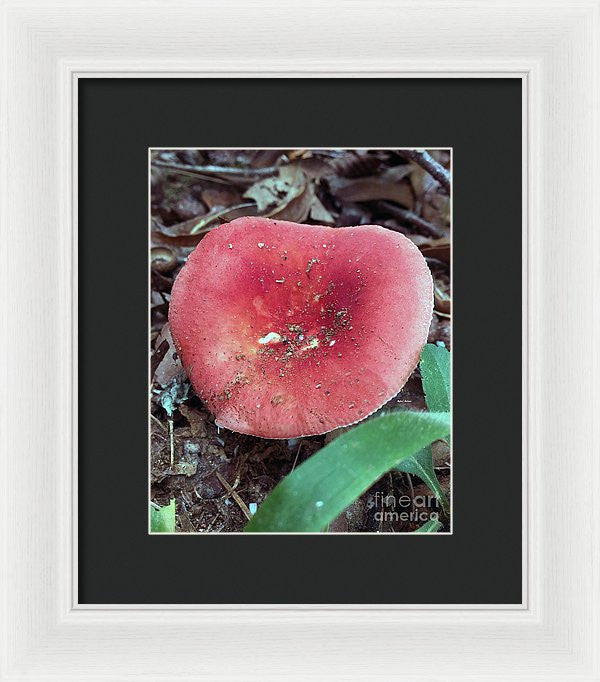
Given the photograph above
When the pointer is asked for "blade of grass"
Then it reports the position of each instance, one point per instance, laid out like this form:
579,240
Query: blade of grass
435,375
420,464
322,487
162,519
431,526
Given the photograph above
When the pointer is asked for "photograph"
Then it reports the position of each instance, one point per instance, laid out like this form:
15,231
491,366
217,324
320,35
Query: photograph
300,339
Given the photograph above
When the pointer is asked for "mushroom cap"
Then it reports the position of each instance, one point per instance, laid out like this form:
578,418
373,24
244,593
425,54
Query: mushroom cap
289,330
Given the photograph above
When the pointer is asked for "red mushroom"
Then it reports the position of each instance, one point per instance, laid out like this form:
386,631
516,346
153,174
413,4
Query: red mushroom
289,330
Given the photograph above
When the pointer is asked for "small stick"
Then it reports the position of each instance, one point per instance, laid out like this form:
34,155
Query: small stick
236,497
412,219
172,447
212,523
223,170
428,163
297,453
162,426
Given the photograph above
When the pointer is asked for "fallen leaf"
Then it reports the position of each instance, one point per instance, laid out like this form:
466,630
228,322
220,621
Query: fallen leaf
158,355
356,163
224,215
169,365
389,185
437,248
263,158
220,198
290,195
179,229
315,167
162,259
196,419
279,190
442,301
319,213
190,232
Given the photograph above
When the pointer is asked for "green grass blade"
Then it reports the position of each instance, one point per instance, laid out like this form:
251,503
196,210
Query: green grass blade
435,375
431,526
322,487
420,464
162,519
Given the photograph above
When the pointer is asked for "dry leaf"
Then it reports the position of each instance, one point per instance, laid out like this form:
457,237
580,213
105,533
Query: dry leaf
220,198
356,164
442,301
196,419
278,190
437,248
297,209
320,214
178,229
290,195
390,185
170,365
223,215
264,158
191,231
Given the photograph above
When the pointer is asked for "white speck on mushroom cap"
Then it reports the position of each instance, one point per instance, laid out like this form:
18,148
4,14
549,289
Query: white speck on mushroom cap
312,343
271,337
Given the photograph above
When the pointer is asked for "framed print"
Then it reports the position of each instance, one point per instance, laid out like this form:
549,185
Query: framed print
231,430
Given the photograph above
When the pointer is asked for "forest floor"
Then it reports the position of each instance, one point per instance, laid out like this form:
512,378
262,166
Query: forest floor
215,474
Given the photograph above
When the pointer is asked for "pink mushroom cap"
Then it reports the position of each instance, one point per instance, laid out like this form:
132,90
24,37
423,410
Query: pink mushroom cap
289,330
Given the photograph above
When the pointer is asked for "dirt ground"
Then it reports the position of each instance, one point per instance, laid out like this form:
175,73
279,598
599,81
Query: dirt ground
215,474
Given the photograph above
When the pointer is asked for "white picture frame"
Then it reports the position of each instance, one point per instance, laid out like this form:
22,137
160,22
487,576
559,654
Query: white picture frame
553,47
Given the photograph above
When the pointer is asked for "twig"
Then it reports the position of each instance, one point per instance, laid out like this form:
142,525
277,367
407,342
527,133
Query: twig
171,444
162,426
212,523
428,163
297,453
204,222
236,497
412,219
218,170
